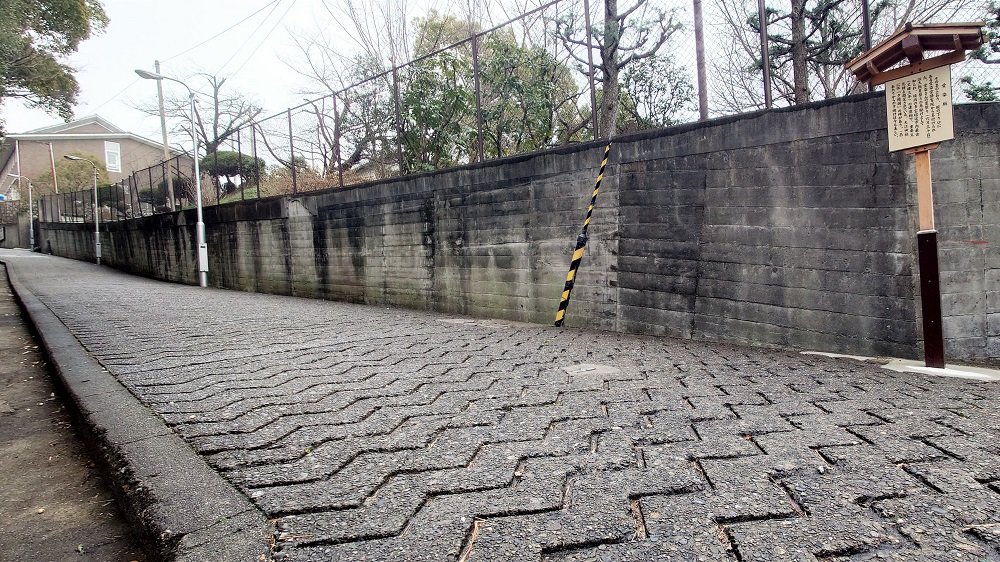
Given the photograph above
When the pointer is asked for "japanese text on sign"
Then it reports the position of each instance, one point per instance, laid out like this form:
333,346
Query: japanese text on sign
919,109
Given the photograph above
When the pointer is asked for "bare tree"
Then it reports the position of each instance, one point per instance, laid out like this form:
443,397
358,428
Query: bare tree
361,123
808,45
379,27
626,35
219,113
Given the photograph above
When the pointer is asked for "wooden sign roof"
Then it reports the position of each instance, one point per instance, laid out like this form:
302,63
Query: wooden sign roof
911,42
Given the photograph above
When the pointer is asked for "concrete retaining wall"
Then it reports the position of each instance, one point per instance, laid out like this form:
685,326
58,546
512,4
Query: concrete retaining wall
16,234
792,228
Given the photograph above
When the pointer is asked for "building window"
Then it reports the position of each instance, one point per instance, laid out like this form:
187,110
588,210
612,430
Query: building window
113,156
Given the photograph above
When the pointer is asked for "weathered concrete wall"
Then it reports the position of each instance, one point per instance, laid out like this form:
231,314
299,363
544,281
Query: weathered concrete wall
17,234
791,228
967,213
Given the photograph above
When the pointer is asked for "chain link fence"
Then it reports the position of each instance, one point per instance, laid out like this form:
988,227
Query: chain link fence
143,193
476,90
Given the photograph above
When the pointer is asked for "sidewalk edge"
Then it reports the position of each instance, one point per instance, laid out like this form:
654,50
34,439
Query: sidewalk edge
182,510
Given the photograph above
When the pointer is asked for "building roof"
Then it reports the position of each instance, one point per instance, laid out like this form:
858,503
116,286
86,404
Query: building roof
65,131
911,42
66,127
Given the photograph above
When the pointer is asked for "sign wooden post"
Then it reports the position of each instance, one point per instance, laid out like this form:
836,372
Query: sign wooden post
927,259
919,114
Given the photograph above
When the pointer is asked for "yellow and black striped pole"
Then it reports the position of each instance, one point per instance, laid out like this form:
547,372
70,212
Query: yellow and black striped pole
581,244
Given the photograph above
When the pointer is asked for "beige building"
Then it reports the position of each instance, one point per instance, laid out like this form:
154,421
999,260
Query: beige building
122,153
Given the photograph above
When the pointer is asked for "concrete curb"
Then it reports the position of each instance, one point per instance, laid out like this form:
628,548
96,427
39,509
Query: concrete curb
182,509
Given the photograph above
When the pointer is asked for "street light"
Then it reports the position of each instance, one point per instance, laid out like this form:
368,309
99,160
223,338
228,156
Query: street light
97,218
200,227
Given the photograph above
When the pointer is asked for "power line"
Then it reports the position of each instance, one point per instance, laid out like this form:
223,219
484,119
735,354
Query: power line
228,29
115,96
262,41
250,36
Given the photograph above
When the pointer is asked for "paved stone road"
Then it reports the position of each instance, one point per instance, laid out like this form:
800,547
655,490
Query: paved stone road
385,434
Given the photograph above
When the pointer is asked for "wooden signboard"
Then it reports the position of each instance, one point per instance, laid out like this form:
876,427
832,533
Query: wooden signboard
919,112
919,109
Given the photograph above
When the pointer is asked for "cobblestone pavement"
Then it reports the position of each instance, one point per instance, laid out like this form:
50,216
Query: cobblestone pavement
385,434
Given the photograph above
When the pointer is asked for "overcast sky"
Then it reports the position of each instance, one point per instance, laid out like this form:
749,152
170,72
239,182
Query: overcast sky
142,31
250,54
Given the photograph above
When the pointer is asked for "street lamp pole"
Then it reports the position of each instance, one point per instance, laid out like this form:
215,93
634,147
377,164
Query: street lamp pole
200,236
171,201
31,218
97,217
31,213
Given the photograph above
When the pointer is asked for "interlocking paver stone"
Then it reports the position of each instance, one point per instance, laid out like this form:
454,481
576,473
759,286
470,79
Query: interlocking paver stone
370,433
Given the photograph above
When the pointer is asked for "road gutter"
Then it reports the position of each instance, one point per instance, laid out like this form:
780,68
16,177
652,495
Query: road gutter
181,508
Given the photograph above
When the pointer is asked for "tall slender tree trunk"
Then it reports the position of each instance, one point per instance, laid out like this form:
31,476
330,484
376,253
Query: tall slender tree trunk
800,78
608,116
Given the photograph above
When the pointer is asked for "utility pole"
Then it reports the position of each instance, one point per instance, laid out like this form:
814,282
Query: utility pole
17,161
163,130
699,48
765,55
866,38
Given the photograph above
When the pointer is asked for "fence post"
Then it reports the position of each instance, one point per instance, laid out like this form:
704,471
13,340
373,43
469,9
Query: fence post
336,141
176,173
215,174
479,98
164,169
152,193
399,121
253,148
239,165
590,69
866,23
291,150
765,55
134,182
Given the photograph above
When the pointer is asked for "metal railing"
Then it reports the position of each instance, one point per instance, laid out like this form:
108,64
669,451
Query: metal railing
142,193
526,84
